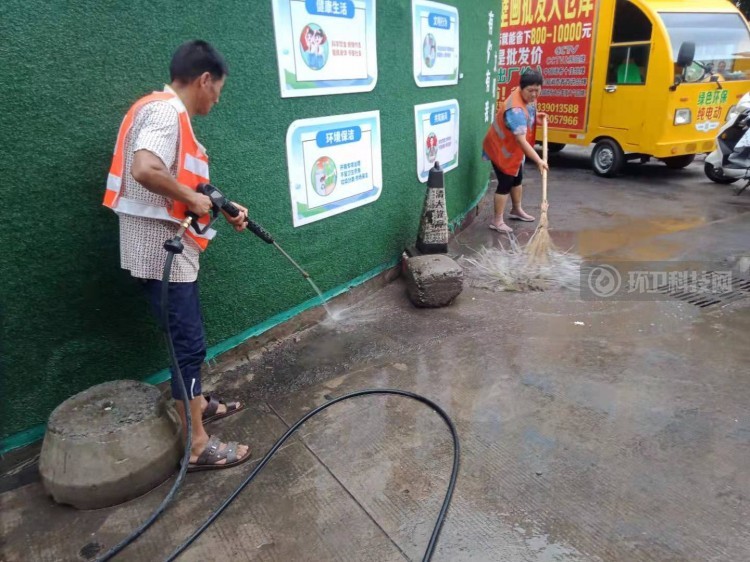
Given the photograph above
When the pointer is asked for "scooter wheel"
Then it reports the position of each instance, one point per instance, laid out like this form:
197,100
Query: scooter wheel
716,176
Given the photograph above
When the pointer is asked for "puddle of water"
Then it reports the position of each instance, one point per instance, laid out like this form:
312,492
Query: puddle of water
600,242
549,551
546,549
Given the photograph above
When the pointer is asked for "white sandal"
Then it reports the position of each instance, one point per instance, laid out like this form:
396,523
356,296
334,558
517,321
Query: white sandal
502,228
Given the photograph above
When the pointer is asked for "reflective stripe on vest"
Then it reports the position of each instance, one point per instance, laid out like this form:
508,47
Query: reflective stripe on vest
192,169
138,208
501,134
498,129
113,186
198,167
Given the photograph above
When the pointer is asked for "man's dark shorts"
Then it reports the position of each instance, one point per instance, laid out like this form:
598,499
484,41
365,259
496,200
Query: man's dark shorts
186,326
506,182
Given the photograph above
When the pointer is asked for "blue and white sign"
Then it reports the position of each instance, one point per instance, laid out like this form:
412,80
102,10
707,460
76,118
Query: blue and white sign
435,32
437,126
325,46
334,164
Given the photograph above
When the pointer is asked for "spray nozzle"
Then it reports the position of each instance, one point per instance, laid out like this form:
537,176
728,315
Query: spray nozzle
259,231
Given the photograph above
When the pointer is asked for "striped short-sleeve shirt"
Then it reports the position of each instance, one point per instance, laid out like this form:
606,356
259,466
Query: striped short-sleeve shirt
156,128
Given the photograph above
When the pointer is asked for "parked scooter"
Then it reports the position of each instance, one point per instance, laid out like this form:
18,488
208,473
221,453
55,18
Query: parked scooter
730,161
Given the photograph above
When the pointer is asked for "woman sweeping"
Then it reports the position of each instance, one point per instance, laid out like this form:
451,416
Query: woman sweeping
509,140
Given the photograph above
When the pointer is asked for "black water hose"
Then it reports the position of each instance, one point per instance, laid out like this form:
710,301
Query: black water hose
170,245
448,495
186,456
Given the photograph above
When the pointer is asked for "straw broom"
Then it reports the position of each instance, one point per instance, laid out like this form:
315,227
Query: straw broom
537,267
540,244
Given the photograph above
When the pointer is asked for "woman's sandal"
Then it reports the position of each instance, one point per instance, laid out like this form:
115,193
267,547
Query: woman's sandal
524,218
211,455
504,228
210,413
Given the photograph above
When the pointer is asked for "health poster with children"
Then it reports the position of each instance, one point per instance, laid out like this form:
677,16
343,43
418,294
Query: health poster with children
437,126
334,164
435,37
325,46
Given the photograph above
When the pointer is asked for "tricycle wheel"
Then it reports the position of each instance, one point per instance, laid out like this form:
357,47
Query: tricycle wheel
555,147
679,162
607,158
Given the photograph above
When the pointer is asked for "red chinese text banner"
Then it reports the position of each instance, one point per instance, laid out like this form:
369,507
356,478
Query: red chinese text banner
556,38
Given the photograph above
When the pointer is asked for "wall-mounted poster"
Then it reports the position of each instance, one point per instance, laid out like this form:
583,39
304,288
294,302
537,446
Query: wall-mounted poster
325,46
334,164
435,37
437,126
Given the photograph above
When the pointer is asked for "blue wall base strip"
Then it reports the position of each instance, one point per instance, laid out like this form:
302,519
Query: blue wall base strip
22,438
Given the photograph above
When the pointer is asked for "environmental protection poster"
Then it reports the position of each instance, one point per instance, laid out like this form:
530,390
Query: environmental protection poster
325,46
555,38
435,38
437,126
334,164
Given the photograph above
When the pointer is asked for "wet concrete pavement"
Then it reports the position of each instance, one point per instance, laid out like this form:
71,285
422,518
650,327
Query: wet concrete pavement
590,430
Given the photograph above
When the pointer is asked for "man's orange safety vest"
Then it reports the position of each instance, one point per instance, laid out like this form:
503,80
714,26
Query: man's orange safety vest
500,144
192,169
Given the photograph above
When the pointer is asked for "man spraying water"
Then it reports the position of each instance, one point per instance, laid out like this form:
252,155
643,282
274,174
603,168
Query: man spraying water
156,169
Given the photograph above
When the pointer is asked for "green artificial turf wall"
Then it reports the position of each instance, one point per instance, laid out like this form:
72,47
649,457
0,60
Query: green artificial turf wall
70,317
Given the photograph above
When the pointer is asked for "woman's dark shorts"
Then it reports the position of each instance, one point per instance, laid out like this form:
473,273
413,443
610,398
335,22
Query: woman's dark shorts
506,182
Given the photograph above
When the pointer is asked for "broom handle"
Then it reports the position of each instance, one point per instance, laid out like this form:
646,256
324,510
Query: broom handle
544,157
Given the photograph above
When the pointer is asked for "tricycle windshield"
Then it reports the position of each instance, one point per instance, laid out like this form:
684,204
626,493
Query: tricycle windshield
722,44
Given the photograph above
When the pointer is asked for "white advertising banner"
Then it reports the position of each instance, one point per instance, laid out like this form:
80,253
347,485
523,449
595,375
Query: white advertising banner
334,164
437,126
325,46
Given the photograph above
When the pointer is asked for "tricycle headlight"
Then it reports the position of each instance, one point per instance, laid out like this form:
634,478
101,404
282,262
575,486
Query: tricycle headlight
682,117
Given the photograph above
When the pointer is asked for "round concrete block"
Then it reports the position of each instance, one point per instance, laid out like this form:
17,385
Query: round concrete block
109,444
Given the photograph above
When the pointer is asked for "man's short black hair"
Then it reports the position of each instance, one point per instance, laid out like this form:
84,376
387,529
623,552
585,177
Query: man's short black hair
193,58
531,78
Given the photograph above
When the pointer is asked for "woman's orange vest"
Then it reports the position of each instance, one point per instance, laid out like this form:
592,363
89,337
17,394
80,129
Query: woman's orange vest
500,144
192,169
